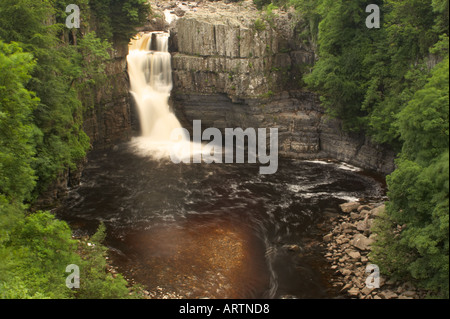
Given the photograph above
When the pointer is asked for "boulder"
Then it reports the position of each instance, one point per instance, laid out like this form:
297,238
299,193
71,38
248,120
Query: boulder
347,286
327,238
410,293
387,294
376,212
366,290
364,213
361,242
353,292
349,207
179,12
345,272
363,207
346,226
364,225
353,254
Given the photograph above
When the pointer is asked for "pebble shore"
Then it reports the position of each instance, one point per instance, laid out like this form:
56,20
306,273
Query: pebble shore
348,245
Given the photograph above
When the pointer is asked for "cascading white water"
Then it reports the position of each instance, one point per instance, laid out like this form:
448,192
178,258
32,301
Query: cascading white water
150,72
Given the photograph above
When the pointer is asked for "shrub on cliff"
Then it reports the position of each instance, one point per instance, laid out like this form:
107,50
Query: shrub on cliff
261,3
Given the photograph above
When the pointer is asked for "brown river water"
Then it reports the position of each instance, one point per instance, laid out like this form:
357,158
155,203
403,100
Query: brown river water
215,230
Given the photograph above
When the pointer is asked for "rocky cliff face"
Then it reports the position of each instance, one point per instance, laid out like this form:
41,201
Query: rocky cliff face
235,67
109,120
233,49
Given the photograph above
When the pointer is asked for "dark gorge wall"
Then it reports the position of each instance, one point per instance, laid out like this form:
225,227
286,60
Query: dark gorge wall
108,119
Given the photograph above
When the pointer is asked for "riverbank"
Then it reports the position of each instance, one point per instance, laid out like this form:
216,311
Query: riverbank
348,245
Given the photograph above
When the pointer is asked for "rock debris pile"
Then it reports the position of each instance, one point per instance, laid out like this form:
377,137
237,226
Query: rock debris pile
348,247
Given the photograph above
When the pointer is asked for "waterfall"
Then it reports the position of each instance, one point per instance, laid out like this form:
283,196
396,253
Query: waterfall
150,73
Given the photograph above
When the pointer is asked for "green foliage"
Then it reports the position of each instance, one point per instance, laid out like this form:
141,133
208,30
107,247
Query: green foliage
116,19
46,71
59,140
16,129
267,95
269,15
419,191
34,256
310,19
93,56
261,3
423,123
388,82
260,25
419,199
340,74
63,73
366,76
95,281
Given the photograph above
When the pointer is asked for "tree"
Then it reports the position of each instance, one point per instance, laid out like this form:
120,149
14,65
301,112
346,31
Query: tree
423,123
419,202
43,77
17,178
419,191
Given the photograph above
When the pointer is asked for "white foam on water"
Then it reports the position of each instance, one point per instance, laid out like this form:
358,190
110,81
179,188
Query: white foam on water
150,72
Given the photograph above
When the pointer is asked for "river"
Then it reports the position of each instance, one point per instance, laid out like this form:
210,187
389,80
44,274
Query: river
215,230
